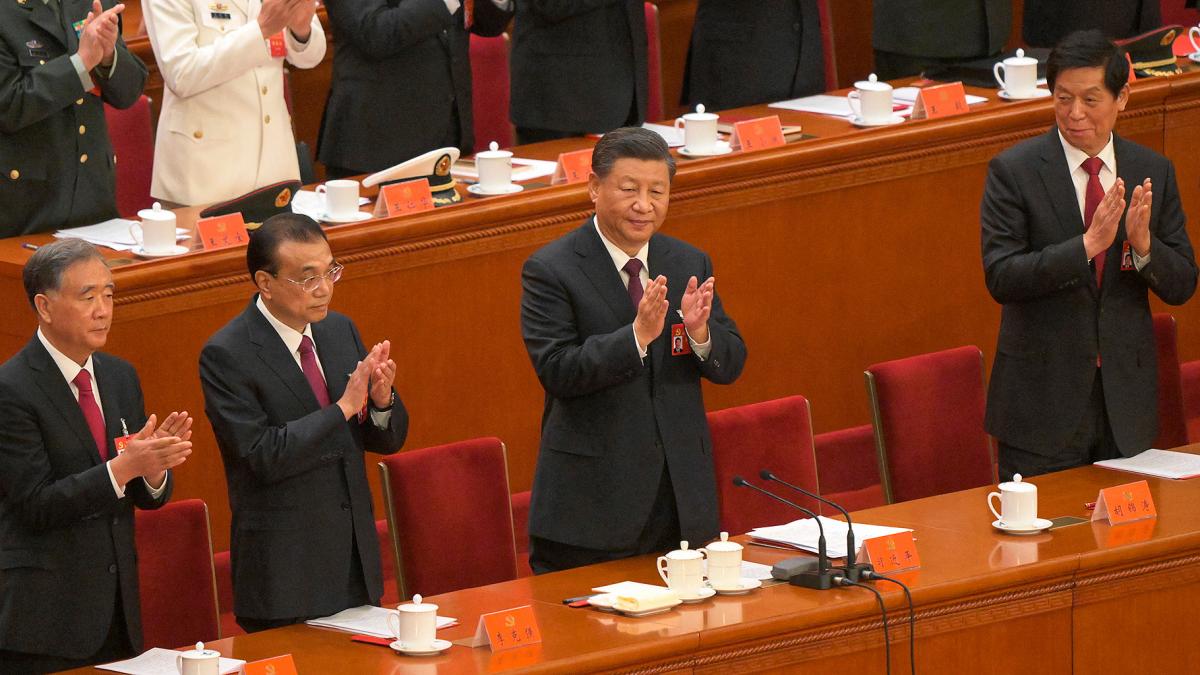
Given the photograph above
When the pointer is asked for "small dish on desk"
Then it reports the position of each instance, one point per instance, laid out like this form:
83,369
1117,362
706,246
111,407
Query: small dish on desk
744,586
719,148
143,253
436,647
606,602
480,191
1037,93
357,217
1194,57
860,122
701,595
1039,525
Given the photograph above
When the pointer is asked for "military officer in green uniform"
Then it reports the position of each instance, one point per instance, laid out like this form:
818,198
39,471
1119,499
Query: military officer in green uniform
60,61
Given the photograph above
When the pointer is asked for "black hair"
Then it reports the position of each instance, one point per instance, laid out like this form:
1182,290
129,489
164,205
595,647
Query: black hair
279,228
632,143
1089,49
44,270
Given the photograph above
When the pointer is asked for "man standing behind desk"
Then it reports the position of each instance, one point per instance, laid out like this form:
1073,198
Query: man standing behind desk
56,161
625,466
68,570
294,400
408,61
1075,378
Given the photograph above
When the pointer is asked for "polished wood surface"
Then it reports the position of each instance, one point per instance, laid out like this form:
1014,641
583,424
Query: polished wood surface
1085,598
844,249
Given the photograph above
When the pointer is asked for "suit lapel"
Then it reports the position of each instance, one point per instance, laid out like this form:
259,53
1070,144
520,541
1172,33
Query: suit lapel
1133,173
116,419
50,381
337,360
275,355
660,258
74,10
43,16
1060,190
598,266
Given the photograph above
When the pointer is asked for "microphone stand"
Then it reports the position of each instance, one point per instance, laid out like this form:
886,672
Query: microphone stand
854,570
821,579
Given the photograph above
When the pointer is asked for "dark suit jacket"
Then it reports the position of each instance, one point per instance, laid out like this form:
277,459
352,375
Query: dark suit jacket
746,53
942,28
1054,320
1048,21
66,541
578,65
296,474
611,422
43,184
401,73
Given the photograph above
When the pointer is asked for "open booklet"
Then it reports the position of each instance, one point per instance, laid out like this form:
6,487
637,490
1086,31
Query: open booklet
367,620
803,534
159,661
1160,463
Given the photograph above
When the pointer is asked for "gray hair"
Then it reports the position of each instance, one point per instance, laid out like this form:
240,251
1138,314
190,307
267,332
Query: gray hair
46,266
632,143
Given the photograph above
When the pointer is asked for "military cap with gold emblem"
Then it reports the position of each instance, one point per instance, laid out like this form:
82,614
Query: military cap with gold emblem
433,165
1153,53
258,205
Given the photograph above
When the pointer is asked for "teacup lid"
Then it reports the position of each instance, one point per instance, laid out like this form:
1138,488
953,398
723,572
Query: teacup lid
700,114
872,83
200,652
1016,484
157,212
684,553
1020,59
493,151
724,544
417,605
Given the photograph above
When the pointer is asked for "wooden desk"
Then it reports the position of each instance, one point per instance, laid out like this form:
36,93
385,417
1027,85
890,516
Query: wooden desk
1088,598
831,253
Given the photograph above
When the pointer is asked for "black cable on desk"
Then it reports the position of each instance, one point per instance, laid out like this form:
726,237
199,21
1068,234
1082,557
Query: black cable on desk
912,620
887,648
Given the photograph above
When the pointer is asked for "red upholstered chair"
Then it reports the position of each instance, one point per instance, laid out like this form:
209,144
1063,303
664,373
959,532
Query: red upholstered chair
847,469
1174,11
387,562
775,435
229,625
827,45
928,412
1189,373
175,573
654,99
132,136
450,516
489,91
1172,427
520,511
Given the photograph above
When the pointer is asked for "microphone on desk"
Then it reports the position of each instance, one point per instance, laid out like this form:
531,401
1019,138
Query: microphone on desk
822,578
854,570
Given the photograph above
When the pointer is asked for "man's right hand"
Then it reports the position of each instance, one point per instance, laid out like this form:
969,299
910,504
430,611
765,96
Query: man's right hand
1105,220
651,312
148,455
99,36
274,15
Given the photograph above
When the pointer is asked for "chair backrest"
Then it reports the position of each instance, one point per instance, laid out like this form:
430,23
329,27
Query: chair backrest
654,97
1189,374
928,412
176,576
489,91
827,45
847,468
450,516
132,135
520,511
1172,427
775,435
387,564
1177,12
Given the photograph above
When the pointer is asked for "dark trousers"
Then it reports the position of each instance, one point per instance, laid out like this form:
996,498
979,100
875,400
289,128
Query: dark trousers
1093,441
117,647
661,533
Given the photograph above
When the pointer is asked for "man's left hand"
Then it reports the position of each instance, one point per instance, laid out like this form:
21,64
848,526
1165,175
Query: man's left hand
697,306
1137,219
300,16
384,375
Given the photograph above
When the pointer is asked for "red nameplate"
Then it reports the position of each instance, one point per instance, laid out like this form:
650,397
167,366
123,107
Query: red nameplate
891,552
573,167
679,340
757,134
397,199
1125,503
942,100
222,231
276,665
278,46
506,629
122,442
1132,73
1127,257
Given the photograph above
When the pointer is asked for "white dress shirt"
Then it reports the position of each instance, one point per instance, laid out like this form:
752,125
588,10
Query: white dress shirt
620,258
70,370
1108,176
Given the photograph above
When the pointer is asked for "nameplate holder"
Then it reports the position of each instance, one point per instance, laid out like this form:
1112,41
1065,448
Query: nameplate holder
222,231
276,665
573,167
1125,503
398,199
506,629
943,100
891,552
757,134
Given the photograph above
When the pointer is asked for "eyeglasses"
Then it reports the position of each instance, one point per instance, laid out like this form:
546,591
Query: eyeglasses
310,284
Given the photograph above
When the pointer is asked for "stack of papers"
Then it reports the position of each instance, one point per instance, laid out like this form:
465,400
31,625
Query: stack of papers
672,135
522,169
803,534
158,661
1160,463
838,106
113,234
366,620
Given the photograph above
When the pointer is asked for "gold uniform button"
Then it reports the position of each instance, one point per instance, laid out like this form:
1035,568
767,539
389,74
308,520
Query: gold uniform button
197,134
267,119
78,101
14,174
264,91
42,62
82,130
83,158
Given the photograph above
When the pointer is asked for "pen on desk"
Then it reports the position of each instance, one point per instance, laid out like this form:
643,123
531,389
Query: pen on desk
28,246
578,598
1089,505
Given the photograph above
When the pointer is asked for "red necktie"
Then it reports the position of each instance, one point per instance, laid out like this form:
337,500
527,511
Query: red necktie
91,412
1093,195
634,269
312,372
468,13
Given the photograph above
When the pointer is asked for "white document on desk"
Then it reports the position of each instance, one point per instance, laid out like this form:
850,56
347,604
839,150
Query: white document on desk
803,534
158,661
367,620
672,135
1160,463
821,104
312,204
